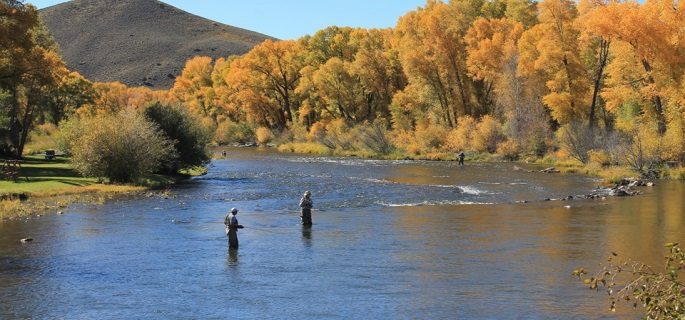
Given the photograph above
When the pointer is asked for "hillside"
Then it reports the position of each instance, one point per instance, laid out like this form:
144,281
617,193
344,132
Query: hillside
139,42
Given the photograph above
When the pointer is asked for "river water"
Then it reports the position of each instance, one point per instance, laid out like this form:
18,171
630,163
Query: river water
390,240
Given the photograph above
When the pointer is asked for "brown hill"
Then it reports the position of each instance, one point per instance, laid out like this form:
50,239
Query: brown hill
139,42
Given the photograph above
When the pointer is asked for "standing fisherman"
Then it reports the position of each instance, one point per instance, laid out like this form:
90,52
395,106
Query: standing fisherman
232,227
306,204
461,158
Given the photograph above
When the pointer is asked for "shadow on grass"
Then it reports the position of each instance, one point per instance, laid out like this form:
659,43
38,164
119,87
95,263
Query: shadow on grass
80,182
37,172
34,169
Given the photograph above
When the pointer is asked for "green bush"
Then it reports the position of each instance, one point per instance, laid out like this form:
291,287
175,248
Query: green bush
120,147
191,139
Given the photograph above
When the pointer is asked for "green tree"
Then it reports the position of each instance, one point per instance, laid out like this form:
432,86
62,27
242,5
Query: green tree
73,92
190,139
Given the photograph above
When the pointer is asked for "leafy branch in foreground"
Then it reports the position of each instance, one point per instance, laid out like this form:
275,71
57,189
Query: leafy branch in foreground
661,294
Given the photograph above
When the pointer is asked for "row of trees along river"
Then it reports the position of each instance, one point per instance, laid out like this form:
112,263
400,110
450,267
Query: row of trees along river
592,81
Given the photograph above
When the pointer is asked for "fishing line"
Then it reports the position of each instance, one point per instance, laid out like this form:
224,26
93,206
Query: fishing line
267,230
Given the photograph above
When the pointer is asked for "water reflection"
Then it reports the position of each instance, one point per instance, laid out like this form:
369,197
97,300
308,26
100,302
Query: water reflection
232,257
307,235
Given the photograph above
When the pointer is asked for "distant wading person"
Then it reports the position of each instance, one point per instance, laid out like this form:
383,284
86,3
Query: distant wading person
306,204
232,226
461,158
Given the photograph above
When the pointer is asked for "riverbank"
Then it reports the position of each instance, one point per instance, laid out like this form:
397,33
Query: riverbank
610,174
45,186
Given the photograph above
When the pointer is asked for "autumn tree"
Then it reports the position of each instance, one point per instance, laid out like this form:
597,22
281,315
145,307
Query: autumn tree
493,58
339,44
432,52
29,72
340,92
264,80
108,98
596,55
330,42
195,88
378,67
554,48
650,52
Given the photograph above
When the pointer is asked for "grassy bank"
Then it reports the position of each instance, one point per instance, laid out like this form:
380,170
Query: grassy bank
45,186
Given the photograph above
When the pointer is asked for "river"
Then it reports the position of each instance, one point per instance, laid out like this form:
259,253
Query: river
390,240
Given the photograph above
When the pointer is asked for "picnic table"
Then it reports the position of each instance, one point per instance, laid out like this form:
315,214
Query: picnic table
49,154
10,170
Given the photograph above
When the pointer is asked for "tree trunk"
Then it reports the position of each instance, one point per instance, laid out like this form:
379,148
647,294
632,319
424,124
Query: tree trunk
603,55
658,107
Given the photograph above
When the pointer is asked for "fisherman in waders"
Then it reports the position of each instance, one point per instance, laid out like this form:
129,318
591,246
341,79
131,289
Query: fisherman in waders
232,227
306,204
461,158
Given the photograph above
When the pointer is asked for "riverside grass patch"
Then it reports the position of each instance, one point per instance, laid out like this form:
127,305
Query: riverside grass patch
45,185
40,176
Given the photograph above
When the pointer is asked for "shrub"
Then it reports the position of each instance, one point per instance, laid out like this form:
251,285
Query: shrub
120,147
601,157
460,138
191,139
509,150
644,151
295,133
488,135
317,132
334,135
264,135
374,136
308,147
430,137
229,132
404,139
659,293
576,138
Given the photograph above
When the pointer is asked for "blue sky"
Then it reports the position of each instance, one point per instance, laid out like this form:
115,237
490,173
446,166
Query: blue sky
291,19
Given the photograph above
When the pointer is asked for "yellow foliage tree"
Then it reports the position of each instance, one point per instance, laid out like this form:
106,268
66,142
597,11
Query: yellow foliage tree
432,51
551,50
195,88
263,83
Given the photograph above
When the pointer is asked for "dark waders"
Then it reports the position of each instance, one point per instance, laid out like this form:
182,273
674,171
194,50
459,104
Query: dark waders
306,216
232,236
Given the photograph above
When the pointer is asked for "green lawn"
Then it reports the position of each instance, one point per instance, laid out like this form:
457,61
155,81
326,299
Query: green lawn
38,175
41,177
50,184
